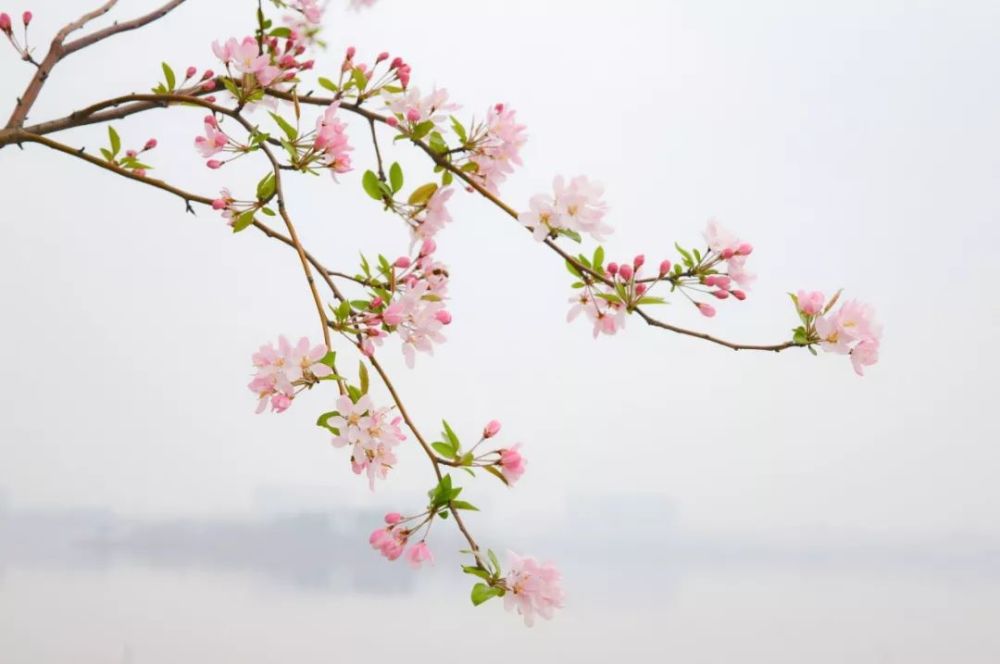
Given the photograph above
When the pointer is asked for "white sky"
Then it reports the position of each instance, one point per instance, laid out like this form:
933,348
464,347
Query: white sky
854,143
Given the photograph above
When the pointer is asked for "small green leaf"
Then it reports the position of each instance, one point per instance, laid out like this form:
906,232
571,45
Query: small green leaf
328,84
168,73
266,187
462,505
371,184
444,449
482,592
363,376
477,571
290,131
396,177
493,559
116,141
423,193
243,221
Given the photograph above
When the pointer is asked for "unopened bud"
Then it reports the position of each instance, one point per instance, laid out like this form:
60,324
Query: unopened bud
5,23
745,249
625,272
402,262
382,56
26,17
428,247
392,518
214,164
721,294
612,269
191,71
443,317
638,261
413,115
665,268
706,310
739,295
491,429
150,144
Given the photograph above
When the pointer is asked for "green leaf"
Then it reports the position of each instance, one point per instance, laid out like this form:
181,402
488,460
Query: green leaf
482,592
477,571
243,221
598,259
573,235
396,177
116,141
328,84
325,418
371,184
421,130
423,193
363,376
359,78
685,254
168,73
649,299
281,32
444,449
573,269
462,505
107,154
493,559
266,187
450,435
290,131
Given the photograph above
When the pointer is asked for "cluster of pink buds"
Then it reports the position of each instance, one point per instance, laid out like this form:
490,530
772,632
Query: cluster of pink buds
238,214
130,159
410,303
607,301
371,433
7,28
850,330
285,371
391,541
363,80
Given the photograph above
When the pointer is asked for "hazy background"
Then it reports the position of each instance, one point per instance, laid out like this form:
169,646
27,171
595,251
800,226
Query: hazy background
708,506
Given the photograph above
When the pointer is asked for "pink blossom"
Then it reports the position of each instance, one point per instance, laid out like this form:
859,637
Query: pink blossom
419,554
331,141
512,464
390,541
853,330
864,354
533,588
433,216
498,149
283,369
719,239
810,303
214,139
370,432
417,108
576,206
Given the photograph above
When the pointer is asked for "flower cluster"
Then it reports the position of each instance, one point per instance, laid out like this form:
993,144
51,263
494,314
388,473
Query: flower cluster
372,433
305,23
331,143
391,541
532,588
728,249
253,66
850,330
285,371
573,209
411,304
412,108
130,159
495,147
607,294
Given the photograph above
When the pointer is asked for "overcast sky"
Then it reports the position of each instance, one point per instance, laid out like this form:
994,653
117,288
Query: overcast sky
855,144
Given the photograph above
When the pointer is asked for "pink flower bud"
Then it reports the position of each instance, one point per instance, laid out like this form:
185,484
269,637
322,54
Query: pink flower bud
739,295
706,310
191,71
350,53
214,164
640,289
413,115
443,317
382,56
625,272
131,153
5,23
307,65
392,518
208,86
638,261
722,281
220,204
665,268
728,253
26,17
376,302
207,75
392,121
428,247
491,429
612,269
396,63
211,121
150,144
709,280
210,99
721,294
141,172
402,262
745,249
